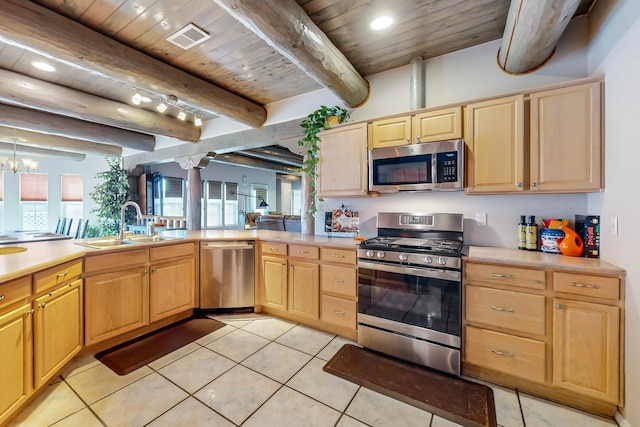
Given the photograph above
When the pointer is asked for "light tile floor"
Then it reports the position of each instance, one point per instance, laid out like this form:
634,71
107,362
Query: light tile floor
256,371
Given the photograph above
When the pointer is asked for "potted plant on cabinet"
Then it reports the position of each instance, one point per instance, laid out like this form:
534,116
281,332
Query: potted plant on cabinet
321,119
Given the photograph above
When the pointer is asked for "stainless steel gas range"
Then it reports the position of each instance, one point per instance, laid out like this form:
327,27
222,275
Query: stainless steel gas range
410,289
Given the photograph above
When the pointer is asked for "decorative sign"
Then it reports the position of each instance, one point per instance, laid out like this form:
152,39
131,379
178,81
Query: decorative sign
342,221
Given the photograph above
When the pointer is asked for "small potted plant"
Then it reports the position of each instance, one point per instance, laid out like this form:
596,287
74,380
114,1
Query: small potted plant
321,119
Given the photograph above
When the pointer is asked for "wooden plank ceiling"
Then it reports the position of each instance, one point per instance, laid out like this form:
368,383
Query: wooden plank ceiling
237,60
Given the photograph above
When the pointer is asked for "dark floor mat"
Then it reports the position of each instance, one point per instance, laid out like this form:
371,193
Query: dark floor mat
131,355
450,397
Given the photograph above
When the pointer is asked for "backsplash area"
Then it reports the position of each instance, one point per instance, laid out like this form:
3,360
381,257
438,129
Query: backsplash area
502,211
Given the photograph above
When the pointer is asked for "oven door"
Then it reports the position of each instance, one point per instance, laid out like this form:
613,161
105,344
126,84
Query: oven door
414,301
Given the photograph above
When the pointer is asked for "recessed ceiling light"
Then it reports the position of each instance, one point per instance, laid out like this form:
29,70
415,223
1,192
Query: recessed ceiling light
43,66
381,23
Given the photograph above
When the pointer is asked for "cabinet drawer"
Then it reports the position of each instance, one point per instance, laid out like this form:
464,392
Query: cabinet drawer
274,248
51,277
116,260
504,275
342,256
338,280
14,291
512,310
582,284
306,252
520,357
171,251
339,311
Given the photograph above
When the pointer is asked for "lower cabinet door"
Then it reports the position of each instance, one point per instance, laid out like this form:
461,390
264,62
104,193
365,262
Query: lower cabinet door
586,348
115,303
15,360
171,288
274,282
57,330
304,289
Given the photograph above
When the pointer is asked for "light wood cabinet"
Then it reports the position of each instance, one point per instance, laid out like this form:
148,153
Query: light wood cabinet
547,142
566,139
304,289
586,348
274,282
342,162
57,330
16,359
551,332
429,126
115,303
172,280
495,138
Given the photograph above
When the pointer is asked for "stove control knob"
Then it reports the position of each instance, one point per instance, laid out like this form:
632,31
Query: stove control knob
380,254
370,253
442,261
403,257
428,259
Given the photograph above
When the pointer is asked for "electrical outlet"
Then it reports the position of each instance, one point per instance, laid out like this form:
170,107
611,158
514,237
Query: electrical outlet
614,225
481,218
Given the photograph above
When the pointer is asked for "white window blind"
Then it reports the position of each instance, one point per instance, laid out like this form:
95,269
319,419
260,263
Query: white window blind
214,190
71,187
173,187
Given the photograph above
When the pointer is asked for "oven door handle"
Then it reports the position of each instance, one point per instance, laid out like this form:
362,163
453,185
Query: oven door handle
404,269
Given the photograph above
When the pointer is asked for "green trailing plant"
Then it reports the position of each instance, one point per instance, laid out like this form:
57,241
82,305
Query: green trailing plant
311,126
109,196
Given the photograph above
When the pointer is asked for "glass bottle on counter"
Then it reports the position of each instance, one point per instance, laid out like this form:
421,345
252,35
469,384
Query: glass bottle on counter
532,234
522,233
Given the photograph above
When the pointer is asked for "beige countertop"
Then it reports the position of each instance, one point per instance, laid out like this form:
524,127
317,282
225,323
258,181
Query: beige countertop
41,255
521,258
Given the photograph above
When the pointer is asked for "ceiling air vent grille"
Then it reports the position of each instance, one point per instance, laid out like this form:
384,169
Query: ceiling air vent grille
188,37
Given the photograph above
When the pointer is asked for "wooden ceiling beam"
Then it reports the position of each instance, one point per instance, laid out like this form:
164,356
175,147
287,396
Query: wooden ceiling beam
22,91
50,124
21,150
59,143
286,27
532,32
35,28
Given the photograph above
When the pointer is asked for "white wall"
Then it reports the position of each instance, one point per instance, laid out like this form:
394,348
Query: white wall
614,52
54,167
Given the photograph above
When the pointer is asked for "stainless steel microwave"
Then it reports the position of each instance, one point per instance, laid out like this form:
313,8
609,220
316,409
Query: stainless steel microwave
432,166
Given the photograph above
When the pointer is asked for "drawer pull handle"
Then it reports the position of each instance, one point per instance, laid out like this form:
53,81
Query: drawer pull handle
1,297
64,273
274,249
337,256
303,252
338,280
341,313
559,306
508,310
580,285
43,305
503,276
501,353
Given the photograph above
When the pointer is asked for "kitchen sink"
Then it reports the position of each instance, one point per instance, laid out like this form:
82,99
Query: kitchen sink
114,242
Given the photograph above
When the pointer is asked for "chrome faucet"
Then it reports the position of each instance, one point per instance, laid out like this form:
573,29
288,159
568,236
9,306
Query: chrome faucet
122,224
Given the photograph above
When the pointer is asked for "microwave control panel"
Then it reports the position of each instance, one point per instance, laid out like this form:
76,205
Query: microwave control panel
447,167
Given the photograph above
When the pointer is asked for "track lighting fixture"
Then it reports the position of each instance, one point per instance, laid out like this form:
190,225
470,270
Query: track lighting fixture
136,98
197,121
162,107
182,115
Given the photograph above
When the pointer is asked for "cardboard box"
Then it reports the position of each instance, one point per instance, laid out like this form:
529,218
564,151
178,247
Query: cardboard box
588,228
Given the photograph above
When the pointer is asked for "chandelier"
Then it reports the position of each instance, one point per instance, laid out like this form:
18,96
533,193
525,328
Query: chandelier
13,165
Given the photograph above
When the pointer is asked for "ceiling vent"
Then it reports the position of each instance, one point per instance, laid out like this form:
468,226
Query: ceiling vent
188,37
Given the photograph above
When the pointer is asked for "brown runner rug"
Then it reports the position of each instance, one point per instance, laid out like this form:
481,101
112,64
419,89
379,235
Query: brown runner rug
447,396
131,355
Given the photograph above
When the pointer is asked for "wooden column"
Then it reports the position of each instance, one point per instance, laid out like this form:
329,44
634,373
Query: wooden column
194,199
532,32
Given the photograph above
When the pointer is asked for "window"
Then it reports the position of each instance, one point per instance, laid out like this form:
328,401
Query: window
219,207
172,200
71,189
34,188
1,200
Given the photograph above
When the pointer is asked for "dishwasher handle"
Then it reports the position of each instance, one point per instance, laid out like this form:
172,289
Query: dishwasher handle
226,245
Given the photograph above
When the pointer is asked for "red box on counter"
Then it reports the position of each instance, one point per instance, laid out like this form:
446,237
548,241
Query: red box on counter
588,228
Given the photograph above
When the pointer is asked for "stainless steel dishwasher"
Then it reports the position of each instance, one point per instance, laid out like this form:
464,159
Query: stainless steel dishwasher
227,275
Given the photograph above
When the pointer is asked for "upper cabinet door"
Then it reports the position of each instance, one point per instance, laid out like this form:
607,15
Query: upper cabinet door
566,139
438,125
494,135
391,132
342,162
